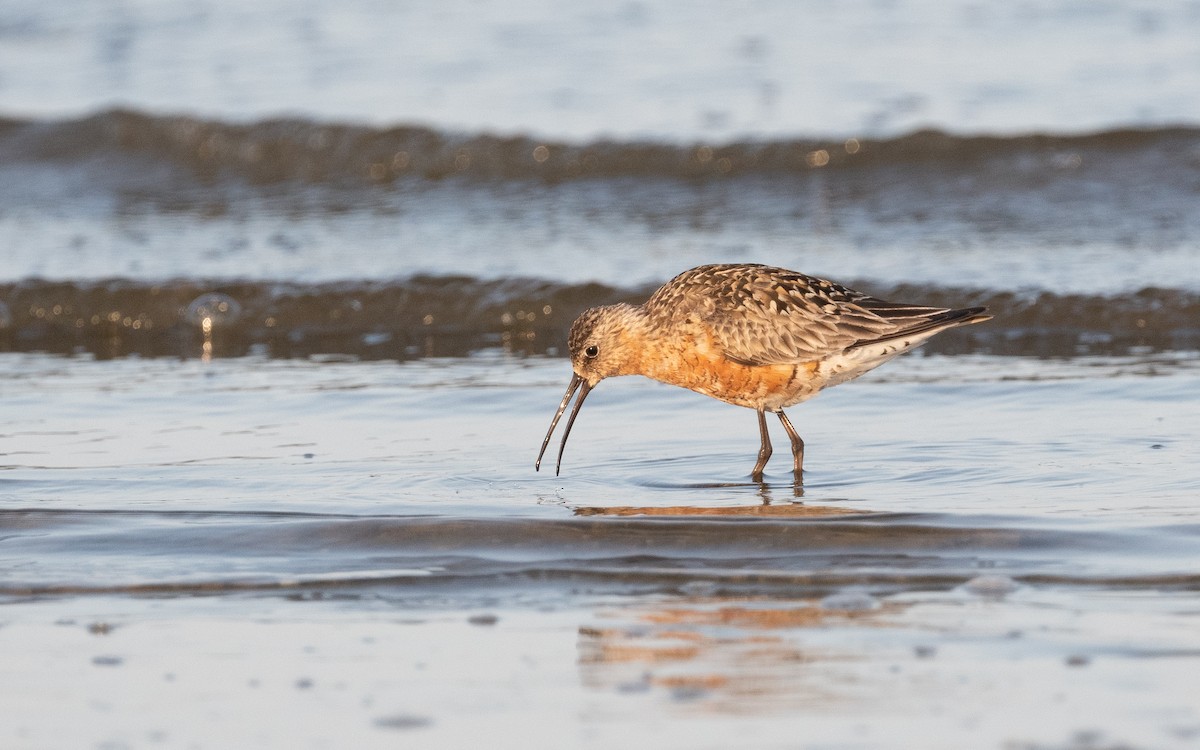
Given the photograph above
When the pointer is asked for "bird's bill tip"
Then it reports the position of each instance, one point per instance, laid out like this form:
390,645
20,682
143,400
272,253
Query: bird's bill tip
577,384
576,381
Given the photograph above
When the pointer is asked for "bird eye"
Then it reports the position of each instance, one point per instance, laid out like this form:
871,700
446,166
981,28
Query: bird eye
591,351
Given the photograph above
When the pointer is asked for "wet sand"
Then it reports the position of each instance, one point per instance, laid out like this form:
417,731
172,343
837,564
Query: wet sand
943,669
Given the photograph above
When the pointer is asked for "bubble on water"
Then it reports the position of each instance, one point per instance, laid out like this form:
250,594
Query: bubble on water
210,311
991,585
213,309
850,601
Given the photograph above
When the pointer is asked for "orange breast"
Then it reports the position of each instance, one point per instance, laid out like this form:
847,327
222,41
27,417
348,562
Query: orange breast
703,369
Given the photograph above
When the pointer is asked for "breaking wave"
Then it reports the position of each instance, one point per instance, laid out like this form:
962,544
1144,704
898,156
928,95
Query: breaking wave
278,150
457,315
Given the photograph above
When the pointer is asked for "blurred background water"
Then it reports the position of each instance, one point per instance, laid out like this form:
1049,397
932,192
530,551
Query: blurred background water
284,291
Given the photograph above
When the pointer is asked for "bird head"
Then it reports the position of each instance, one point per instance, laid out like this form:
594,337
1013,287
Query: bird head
598,344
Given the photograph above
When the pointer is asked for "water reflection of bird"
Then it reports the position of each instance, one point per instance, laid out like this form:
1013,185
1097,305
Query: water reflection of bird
747,334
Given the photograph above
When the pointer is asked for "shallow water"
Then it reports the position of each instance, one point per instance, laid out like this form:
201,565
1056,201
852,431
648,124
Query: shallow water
283,527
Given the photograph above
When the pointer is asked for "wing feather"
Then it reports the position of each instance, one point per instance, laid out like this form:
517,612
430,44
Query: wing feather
761,315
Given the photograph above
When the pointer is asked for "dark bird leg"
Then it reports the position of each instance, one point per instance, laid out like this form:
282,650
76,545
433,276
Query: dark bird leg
797,443
764,453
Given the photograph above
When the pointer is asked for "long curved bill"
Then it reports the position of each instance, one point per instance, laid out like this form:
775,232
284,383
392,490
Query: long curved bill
577,383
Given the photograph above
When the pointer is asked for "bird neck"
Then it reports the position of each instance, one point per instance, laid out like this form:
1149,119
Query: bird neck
648,347
636,338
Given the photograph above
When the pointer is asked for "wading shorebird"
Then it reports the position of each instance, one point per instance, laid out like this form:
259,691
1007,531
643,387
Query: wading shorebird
749,335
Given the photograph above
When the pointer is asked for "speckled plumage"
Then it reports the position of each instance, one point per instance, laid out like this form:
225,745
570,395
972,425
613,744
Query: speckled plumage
751,335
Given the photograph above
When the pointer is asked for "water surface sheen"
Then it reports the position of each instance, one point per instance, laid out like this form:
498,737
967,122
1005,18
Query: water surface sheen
308,515
267,473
